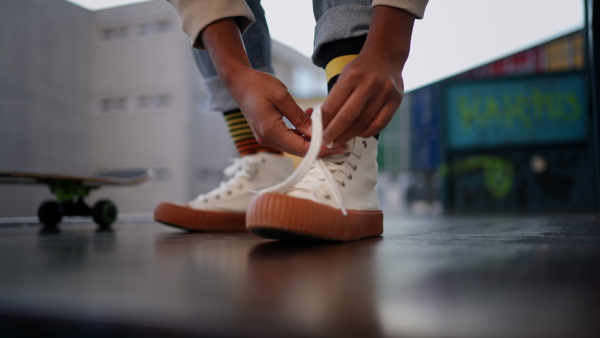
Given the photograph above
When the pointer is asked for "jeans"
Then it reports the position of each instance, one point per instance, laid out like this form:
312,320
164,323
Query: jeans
336,20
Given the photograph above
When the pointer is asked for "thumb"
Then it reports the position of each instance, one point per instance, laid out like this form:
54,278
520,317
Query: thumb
297,117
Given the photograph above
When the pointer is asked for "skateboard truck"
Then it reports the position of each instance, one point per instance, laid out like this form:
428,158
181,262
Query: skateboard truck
70,202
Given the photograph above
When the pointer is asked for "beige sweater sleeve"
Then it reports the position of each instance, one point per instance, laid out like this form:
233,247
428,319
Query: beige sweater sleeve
415,7
195,15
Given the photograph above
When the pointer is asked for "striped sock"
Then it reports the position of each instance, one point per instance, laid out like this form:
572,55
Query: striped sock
334,68
242,135
337,54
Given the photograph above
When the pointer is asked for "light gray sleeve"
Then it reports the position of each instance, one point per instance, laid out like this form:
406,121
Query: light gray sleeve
195,15
415,7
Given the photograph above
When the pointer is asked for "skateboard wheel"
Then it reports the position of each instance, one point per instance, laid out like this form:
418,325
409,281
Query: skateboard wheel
50,213
104,213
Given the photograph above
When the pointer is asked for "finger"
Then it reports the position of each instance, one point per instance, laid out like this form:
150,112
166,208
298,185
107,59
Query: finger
293,144
287,140
373,108
366,118
381,121
335,99
290,109
324,152
347,114
305,137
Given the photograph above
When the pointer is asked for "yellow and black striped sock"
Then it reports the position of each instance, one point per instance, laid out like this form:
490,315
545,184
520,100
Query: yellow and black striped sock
336,55
334,68
242,135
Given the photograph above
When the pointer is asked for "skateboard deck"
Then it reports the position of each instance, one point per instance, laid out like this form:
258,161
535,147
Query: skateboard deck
70,191
112,177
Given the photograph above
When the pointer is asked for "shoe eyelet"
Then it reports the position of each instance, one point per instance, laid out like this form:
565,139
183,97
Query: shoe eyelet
343,184
364,143
327,197
229,192
263,161
354,167
205,200
218,196
350,177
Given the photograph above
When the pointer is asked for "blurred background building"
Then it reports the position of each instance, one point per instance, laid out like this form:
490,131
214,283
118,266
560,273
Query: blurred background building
513,135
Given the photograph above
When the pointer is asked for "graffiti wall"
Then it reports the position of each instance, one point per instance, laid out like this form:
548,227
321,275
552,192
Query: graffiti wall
518,145
522,111
523,181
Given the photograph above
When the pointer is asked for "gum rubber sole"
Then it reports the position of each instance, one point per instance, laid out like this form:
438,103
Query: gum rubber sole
283,217
185,217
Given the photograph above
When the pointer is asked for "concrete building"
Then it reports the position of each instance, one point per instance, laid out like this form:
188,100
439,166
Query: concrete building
134,95
45,93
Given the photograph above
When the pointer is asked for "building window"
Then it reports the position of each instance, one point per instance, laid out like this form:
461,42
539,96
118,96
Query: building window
157,27
114,33
153,101
164,100
111,105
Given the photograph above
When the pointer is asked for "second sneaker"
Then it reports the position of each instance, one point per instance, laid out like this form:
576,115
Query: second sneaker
224,208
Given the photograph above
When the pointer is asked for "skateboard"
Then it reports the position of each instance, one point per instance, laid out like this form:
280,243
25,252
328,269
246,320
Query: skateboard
70,192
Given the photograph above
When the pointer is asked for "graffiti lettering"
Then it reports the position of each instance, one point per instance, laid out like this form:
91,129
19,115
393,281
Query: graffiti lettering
509,109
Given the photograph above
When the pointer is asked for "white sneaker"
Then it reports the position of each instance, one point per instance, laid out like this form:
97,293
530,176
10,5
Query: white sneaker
332,198
224,207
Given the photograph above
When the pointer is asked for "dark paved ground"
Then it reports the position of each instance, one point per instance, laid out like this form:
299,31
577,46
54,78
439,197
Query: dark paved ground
426,277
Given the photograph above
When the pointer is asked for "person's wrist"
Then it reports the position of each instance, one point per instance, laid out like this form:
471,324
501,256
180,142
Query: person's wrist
389,37
233,73
375,56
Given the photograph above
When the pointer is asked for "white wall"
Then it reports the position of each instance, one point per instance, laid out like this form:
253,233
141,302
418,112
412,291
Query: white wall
45,55
142,102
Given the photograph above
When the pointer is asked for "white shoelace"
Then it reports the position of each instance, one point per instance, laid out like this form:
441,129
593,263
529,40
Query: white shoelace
313,172
240,167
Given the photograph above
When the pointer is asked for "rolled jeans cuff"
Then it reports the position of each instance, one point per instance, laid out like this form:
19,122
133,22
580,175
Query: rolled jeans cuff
340,22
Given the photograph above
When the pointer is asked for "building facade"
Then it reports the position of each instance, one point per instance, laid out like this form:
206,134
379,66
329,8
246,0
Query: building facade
116,88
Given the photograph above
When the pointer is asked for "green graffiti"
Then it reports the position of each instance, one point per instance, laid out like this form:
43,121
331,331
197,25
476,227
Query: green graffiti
469,112
498,173
515,111
509,110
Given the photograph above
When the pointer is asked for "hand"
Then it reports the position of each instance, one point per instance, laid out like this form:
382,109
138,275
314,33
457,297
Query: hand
363,101
369,89
262,98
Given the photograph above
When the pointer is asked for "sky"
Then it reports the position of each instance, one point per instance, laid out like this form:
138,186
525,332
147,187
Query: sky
454,36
